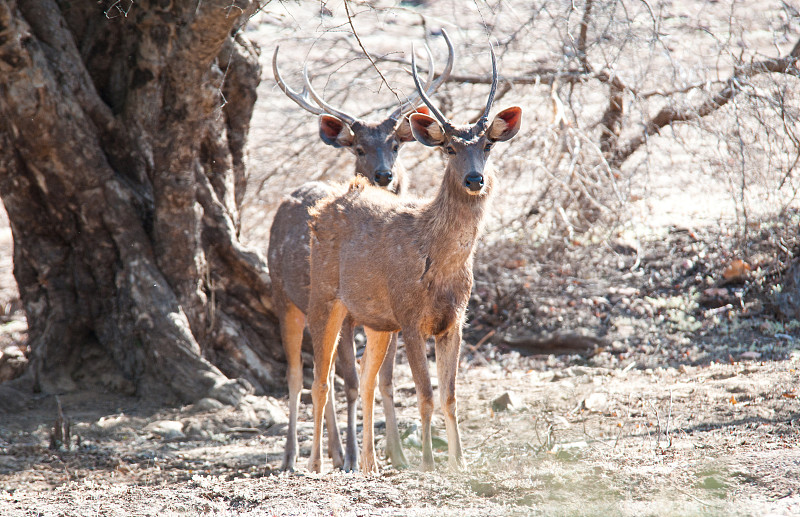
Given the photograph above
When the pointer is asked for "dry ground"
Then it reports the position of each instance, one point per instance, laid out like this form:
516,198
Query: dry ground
711,440
684,402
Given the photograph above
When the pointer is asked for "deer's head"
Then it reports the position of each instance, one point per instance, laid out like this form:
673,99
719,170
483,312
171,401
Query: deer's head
468,146
374,144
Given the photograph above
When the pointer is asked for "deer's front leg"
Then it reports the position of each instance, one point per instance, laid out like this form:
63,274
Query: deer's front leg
448,349
335,451
377,343
394,448
325,319
292,323
346,366
418,362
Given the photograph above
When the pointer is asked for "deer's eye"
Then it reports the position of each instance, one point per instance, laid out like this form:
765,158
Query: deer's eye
395,148
449,150
487,147
360,151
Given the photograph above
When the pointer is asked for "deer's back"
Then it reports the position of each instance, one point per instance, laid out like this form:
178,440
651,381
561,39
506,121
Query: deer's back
289,248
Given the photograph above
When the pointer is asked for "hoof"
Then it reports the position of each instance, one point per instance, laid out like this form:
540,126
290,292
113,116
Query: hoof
337,459
288,464
350,465
315,466
398,461
369,465
457,465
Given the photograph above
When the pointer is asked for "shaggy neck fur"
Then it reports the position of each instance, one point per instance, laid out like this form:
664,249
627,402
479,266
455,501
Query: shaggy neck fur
451,223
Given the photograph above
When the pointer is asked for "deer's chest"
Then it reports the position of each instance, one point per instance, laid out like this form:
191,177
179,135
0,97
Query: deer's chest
445,300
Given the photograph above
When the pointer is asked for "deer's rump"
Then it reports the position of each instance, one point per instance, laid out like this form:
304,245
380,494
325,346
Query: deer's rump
289,241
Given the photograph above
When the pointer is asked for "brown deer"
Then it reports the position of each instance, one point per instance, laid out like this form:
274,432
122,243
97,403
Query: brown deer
395,264
375,146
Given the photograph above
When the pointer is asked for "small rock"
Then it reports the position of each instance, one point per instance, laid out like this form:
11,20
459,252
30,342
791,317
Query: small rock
439,443
506,401
596,402
12,363
196,432
167,429
207,404
482,488
712,483
268,411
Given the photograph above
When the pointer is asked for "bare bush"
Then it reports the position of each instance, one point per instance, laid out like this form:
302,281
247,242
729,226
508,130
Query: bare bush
623,97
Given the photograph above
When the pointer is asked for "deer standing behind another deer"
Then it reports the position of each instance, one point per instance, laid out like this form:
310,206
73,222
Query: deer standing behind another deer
395,264
375,146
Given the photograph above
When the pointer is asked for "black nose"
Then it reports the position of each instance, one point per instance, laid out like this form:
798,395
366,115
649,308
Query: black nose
474,181
383,178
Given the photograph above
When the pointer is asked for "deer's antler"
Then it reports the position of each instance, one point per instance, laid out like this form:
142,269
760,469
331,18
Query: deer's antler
302,98
430,85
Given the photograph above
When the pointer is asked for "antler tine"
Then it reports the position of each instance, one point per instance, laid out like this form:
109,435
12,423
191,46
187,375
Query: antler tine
481,124
436,113
431,87
412,101
451,57
300,98
346,117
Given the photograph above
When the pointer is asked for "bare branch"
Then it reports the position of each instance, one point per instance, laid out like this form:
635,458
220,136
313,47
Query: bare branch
669,115
581,45
369,56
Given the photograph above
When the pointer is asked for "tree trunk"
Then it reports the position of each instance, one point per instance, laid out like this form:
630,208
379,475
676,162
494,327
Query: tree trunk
787,300
122,139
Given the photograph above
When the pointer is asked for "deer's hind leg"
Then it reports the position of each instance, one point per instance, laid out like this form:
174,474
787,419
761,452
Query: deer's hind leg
335,450
394,448
448,349
418,362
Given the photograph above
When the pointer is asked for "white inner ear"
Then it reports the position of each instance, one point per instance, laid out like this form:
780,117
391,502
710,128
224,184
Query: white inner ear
345,136
403,131
499,126
436,132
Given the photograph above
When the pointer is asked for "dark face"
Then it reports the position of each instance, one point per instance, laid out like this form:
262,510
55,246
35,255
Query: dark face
466,157
375,147
374,144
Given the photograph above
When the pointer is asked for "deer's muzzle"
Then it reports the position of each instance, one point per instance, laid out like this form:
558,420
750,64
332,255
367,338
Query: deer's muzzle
383,178
474,182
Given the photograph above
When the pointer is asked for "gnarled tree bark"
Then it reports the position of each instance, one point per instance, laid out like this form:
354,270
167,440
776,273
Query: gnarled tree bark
122,170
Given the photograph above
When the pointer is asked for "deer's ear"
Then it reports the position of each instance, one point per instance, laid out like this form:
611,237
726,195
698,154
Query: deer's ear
403,129
505,124
334,132
426,130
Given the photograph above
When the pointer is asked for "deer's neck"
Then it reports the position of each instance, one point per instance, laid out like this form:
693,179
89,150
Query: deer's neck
452,222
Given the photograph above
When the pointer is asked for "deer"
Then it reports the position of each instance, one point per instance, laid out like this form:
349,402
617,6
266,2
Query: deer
375,146
395,264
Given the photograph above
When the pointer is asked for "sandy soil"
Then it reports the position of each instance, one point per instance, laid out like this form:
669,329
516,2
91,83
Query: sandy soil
719,439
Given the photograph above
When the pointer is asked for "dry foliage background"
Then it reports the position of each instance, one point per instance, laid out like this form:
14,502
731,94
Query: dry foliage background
590,76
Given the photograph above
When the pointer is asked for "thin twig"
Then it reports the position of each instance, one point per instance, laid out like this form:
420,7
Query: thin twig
363,49
490,436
